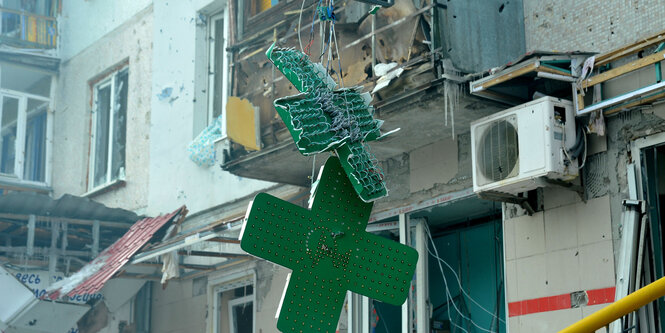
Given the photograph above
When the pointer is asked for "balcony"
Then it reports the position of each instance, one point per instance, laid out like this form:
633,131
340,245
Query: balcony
21,29
424,95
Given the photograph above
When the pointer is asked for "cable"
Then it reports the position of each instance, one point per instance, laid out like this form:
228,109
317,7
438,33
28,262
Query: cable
302,8
459,283
378,313
585,149
453,303
449,298
339,60
439,260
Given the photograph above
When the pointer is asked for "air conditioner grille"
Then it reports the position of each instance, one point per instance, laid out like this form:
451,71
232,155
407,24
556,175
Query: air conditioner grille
498,151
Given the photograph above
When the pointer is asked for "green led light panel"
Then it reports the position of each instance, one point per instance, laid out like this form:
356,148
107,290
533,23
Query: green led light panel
322,118
328,250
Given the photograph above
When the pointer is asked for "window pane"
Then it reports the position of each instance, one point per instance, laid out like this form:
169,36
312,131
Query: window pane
100,163
35,142
25,80
119,126
8,134
242,318
218,66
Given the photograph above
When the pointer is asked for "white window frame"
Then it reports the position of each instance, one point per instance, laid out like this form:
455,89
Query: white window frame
216,287
110,79
21,130
238,302
212,57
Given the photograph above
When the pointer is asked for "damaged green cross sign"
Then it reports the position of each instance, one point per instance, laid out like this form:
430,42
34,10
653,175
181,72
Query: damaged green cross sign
328,250
322,118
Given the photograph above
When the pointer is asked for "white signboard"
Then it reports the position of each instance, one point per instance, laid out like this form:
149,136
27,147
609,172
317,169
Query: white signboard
38,281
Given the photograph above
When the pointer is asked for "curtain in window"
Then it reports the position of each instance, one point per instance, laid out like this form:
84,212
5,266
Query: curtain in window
119,126
35,143
8,134
102,135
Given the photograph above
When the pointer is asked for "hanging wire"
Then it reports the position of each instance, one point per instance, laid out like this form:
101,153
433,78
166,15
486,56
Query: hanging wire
584,131
449,298
302,8
439,261
306,50
460,285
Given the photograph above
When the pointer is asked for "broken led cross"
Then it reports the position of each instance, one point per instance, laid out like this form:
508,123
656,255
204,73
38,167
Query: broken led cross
322,118
328,250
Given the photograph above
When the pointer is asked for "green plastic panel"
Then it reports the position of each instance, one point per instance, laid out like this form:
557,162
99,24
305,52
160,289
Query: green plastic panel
328,250
322,118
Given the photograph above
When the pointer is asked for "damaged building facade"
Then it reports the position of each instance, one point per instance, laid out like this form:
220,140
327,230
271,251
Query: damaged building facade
159,104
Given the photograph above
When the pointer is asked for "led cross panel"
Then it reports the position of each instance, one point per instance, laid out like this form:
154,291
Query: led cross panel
328,250
322,118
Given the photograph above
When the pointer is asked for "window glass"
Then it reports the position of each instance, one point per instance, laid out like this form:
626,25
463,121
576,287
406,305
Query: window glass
23,79
101,136
119,126
242,317
8,132
34,165
219,46
110,129
236,310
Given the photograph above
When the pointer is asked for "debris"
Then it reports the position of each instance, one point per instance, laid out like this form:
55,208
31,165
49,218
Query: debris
387,74
241,123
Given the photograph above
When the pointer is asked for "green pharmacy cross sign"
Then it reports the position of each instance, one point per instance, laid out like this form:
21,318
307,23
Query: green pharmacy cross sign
328,250
322,118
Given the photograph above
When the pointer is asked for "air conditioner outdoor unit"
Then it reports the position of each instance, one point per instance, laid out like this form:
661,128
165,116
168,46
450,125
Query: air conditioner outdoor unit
521,148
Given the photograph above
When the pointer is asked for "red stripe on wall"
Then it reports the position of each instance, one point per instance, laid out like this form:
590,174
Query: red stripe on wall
601,296
558,302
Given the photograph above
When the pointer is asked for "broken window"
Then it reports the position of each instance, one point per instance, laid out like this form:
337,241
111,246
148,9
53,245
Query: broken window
235,309
109,119
217,66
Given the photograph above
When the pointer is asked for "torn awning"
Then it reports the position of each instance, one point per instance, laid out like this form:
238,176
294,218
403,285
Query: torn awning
67,206
92,277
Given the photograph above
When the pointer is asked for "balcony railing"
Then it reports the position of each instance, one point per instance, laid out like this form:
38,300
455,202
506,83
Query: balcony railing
27,30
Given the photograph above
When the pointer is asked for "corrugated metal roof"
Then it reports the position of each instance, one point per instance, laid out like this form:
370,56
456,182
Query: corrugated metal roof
92,277
68,206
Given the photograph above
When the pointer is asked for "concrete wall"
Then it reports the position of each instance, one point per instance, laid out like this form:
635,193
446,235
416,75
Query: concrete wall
78,32
180,54
441,167
159,173
182,308
563,249
175,309
573,25
132,42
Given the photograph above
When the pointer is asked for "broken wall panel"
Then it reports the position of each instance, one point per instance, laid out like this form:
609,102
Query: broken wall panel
481,34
